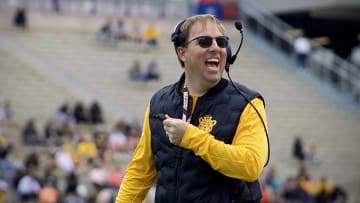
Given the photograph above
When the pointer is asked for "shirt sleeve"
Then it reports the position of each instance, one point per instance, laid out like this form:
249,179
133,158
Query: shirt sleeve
243,159
141,173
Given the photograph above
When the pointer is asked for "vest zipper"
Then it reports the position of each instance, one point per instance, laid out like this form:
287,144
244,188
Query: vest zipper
178,173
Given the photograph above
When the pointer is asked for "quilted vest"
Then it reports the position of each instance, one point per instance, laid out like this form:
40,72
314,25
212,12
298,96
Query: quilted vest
184,177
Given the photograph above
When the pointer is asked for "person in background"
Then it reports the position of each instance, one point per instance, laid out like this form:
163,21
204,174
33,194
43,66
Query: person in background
202,141
151,72
151,35
119,32
105,32
134,71
95,113
298,149
20,18
30,134
302,49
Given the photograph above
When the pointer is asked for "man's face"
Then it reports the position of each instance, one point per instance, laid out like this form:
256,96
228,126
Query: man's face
204,65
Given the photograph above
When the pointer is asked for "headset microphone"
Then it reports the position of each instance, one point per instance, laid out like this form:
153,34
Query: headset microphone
231,58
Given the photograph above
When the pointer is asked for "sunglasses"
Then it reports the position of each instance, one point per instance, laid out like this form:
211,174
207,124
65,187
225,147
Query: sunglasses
206,41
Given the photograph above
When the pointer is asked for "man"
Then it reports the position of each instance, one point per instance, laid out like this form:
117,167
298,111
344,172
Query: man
302,48
211,145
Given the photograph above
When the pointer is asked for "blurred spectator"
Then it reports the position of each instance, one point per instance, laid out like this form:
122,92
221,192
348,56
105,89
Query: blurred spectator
52,133
307,185
303,151
119,32
20,17
151,35
6,111
29,186
324,190
30,133
95,113
272,181
116,175
133,132
10,165
71,182
266,193
63,113
64,121
117,138
302,48
83,193
106,195
104,154
72,189
339,195
135,71
86,147
74,198
6,116
292,192
79,113
50,170
64,160
105,32
136,31
311,153
151,72
31,161
50,130
298,149
48,193
98,176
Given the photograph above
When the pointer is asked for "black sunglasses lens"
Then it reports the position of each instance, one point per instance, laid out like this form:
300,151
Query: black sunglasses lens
205,41
221,42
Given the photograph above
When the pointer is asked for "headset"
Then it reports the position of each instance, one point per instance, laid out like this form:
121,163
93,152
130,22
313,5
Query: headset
179,39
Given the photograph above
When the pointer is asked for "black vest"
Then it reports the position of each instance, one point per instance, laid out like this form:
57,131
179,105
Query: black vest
184,177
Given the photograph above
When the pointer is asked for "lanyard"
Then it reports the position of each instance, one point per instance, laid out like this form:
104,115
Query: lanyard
186,111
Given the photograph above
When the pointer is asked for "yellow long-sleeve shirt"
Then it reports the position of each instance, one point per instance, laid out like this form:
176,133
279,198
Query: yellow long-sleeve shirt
243,159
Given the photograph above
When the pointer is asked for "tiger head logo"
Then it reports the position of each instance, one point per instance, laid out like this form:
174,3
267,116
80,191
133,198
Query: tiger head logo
206,123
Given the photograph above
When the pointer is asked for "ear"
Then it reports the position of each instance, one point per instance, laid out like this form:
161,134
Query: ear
181,53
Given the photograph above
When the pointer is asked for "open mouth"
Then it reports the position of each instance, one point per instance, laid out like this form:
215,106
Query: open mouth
212,62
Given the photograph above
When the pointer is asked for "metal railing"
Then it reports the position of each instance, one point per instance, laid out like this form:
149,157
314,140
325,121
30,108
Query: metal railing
324,63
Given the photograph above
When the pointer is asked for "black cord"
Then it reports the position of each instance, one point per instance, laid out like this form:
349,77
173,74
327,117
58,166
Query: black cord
258,113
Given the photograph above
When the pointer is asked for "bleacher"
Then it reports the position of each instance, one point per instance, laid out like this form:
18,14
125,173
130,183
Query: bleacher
58,59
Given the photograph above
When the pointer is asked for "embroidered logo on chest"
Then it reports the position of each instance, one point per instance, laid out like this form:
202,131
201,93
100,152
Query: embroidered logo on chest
206,123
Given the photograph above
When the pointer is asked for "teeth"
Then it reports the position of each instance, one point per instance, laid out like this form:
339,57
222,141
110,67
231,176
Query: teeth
213,60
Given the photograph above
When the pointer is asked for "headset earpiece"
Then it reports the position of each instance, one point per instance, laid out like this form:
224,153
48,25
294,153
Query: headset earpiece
177,37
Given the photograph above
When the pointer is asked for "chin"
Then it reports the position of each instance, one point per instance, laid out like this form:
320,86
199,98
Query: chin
213,78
